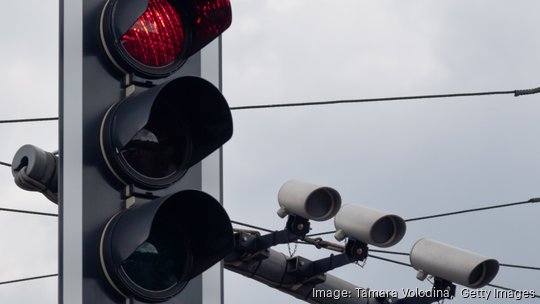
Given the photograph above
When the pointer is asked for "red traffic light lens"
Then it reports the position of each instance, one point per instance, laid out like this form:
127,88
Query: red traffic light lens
154,38
157,37
210,19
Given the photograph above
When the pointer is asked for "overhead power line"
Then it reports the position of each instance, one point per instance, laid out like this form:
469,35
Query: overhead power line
516,93
28,212
390,252
251,226
29,279
389,260
532,200
321,233
520,266
28,120
309,241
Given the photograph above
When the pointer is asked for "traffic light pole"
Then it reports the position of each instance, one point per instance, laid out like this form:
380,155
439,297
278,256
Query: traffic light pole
70,282
87,88
212,171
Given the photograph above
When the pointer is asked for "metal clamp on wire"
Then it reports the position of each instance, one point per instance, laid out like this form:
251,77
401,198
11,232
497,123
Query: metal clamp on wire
36,170
526,92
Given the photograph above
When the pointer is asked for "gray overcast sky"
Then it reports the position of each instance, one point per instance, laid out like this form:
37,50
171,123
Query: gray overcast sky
411,158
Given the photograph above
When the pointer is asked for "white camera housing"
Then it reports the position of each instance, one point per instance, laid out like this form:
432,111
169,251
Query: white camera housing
309,201
453,264
369,225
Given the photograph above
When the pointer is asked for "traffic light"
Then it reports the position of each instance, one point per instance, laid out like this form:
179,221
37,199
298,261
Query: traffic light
150,139
148,121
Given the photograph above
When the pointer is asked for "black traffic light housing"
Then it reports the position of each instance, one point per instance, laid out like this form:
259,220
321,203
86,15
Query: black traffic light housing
149,140
151,250
152,137
135,123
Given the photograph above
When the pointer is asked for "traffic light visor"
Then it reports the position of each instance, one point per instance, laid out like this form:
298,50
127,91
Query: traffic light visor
151,251
151,139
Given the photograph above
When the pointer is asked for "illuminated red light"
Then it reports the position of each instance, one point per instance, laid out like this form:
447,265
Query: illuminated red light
156,39
210,19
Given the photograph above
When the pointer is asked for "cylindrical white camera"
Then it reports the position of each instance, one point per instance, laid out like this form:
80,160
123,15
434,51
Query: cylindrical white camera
453,264
369,225
309,201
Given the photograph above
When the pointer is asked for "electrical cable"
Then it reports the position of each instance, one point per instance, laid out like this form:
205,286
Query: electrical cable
335,247
251,226
389,260
28,120
321,233
532,200
516,93
28,212
29,279
390,252
5,164
519,266
324,244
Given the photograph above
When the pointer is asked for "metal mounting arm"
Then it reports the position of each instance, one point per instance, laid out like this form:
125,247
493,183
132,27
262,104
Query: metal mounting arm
296,228
311,270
